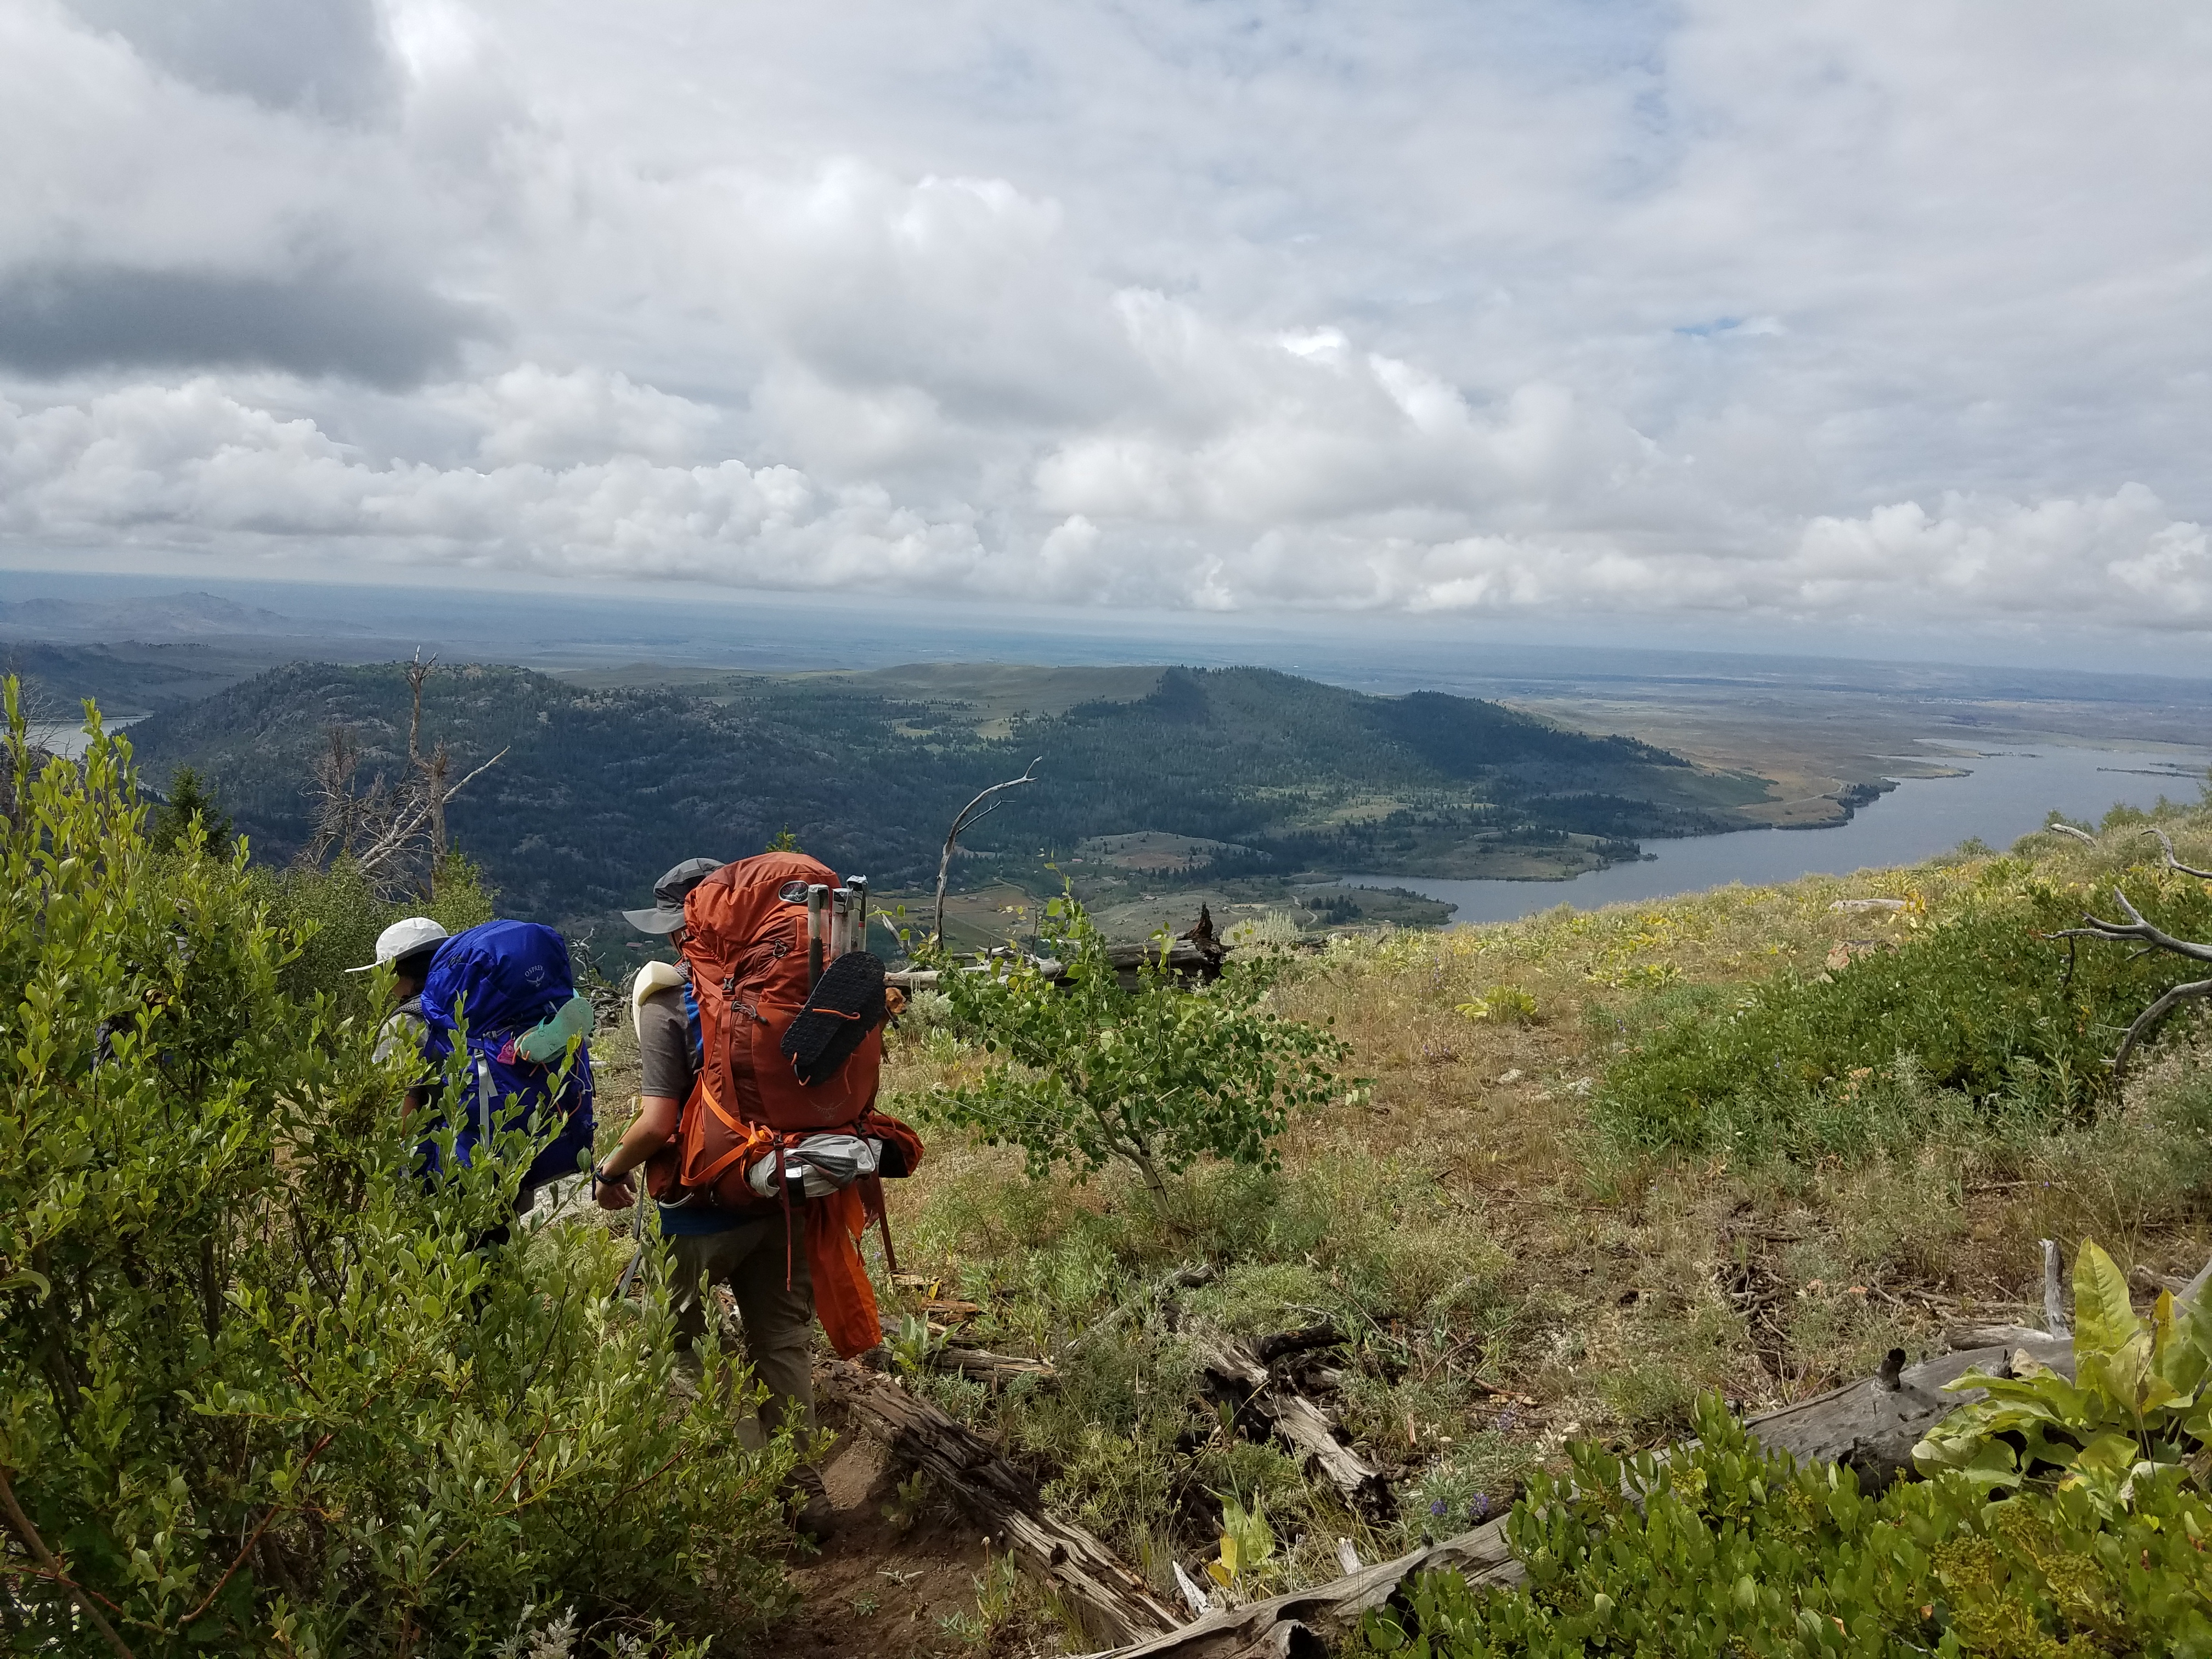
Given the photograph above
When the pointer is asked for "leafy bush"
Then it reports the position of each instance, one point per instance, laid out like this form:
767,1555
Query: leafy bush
258,1393
1983,1007
333,917
2134,1404
1161,1076
1730,1549
1508,1005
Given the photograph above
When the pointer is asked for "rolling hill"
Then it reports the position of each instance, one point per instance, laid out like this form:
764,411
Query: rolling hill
605,785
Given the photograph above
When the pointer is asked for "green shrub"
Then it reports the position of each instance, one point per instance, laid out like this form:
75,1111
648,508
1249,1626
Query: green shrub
334,915
1982,1008
1728,1549
1160,1077
258,1395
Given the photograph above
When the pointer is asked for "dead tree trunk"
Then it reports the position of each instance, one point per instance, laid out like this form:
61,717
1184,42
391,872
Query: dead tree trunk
1253,1385
1087,1575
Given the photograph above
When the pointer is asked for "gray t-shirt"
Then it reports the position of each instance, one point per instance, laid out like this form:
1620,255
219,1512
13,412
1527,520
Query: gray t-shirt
664,1046
664,1053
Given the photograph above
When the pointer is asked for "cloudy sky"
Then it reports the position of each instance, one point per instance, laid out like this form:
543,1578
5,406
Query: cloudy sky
1839,311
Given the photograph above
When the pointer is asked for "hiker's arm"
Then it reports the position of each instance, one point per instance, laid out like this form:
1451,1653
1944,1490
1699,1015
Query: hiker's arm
647,1132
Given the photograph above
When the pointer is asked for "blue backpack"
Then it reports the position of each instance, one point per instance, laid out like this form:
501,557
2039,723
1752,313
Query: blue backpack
504,978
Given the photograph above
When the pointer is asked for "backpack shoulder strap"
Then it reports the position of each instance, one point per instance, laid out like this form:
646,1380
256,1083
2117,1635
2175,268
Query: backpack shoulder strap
697,1037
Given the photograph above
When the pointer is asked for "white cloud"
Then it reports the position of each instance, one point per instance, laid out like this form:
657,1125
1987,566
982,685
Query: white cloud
1835,311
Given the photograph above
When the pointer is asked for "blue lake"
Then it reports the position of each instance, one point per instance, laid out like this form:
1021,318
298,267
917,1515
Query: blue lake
2005,795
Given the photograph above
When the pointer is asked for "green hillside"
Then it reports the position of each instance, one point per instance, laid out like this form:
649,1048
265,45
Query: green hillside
603,785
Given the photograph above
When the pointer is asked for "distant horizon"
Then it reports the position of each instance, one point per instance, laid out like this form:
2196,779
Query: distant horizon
1172,633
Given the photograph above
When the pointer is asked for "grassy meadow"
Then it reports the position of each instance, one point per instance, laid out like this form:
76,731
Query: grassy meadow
1741,1141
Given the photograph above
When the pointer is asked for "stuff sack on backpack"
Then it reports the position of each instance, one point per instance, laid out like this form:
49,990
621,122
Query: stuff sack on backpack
847,1004
744,942
512,983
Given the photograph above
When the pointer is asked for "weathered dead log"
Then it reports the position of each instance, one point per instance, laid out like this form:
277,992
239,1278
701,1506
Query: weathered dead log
2004,1336
1185,959
1288,1623
2196,1287
1283,1344
1301,1423
1087,1575
979,1363
1870,1425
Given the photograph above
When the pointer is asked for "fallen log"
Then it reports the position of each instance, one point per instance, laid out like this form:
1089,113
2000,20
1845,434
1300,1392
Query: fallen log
1301,1423
1087,1575
1301,1622
1869,1425
979,1363
1185,959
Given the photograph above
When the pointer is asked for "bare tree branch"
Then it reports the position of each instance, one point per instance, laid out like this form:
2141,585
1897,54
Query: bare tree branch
390,827
409,825
2058,828
2153,937
2173,863
962,820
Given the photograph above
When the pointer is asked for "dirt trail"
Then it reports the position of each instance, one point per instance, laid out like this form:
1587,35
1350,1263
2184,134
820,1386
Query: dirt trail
878,1590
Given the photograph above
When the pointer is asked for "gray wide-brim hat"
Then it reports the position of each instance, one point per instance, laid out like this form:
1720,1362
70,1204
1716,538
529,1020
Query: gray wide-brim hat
669,892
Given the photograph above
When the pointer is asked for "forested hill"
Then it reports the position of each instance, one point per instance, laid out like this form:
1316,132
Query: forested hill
601,788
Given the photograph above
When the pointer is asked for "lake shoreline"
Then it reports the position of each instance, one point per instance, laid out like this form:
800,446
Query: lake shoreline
2005,794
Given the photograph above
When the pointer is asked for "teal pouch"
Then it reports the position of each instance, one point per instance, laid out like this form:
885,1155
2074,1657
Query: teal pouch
545,1043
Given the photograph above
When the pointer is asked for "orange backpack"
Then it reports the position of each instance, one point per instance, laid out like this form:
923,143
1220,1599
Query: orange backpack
744,946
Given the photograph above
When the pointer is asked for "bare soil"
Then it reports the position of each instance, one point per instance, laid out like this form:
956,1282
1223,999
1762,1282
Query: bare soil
881,1589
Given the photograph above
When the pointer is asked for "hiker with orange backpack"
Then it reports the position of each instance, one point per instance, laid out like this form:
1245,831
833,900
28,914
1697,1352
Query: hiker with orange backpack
757,1122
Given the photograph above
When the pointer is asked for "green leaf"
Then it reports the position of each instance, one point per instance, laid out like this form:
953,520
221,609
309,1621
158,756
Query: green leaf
2104,1317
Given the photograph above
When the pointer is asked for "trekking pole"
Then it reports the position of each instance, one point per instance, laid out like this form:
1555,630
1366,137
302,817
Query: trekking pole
818,896
859,886
636,1257
841,921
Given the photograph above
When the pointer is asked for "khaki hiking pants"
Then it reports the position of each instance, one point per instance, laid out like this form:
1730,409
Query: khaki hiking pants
779,1319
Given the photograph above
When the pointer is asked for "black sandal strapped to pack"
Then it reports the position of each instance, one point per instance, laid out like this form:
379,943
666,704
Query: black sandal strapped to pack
847,1004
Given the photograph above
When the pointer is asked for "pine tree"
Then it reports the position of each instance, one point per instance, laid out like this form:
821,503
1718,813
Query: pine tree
189,794
784,842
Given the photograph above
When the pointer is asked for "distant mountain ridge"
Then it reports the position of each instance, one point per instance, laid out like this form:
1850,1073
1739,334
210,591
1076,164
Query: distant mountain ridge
167,617
602,788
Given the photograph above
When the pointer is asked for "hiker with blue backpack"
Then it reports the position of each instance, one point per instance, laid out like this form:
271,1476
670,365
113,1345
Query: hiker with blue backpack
408,947
504,1041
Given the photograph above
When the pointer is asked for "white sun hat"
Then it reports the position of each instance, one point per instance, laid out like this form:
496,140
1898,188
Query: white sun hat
403,939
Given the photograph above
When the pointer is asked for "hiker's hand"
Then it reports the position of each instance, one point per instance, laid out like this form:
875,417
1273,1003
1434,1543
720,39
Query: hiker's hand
613,1192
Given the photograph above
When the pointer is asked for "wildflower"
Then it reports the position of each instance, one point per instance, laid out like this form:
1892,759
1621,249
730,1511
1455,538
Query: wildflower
1481,1506
1437,1507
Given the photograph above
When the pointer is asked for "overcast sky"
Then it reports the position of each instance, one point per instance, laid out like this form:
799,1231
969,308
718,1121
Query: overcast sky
1846,311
